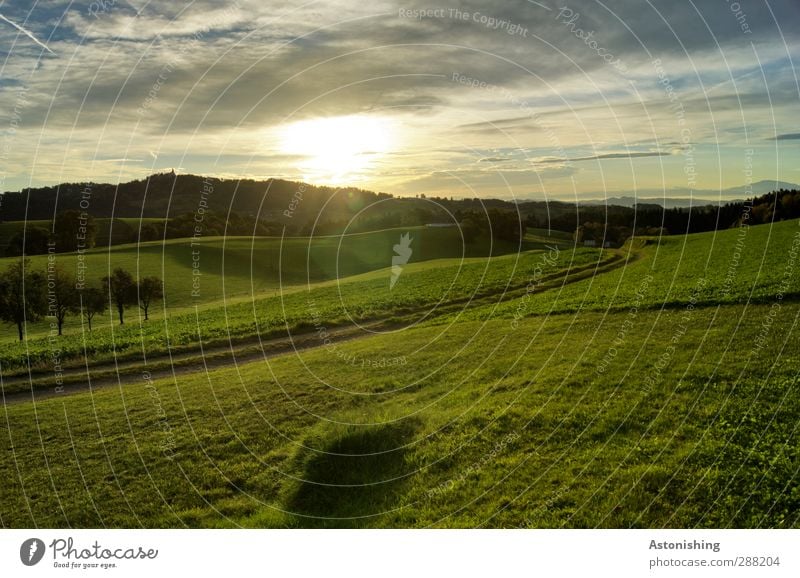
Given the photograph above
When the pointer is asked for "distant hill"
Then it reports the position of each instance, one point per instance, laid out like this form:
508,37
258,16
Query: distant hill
759,188
695,198
167,195
297,206
658,203
301,209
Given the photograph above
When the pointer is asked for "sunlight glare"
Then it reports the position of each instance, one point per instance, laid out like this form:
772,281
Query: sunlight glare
338,149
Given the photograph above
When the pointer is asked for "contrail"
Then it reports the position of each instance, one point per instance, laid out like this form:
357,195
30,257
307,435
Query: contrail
26,33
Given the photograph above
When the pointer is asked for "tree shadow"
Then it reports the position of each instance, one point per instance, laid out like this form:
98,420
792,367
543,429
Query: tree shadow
358,475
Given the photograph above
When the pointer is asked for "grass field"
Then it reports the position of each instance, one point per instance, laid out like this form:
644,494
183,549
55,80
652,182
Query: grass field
424,284
732,266
109,231
483,426
233,267
654,386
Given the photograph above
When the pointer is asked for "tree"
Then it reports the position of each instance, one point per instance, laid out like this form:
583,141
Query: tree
61,294
121,290
74,230
788,204
150,232
22,295
470,229
150,289
91,301
506,225
31,241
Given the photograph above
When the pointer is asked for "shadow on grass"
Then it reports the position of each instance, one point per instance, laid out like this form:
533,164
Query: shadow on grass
358,474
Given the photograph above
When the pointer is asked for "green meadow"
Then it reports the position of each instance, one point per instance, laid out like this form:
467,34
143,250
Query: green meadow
246,267
109,231
483,425
282,295
654,385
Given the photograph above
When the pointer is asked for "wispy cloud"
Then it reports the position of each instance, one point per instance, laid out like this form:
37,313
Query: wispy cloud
26,33
494,124
475,106
634,155
120,160
494,160
788,136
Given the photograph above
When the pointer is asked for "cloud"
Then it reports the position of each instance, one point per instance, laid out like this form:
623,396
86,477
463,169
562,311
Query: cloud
26,33
120,160
500,182
120,24
788,136
225,78
625,155
495,124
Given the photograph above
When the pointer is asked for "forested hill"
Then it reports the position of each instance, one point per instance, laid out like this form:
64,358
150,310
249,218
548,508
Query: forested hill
300,208
166,195
295,205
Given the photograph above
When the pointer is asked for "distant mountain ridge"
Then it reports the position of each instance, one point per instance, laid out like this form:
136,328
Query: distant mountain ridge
666,203
685,198
167,195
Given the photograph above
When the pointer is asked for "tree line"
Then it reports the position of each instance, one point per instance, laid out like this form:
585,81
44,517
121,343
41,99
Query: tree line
778,205
499,224
613,223
28,295
478,218
72,230
163,195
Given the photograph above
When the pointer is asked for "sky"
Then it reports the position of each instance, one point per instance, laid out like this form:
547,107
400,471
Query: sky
518,100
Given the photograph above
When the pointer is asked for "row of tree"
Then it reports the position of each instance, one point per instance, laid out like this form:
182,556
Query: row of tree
775,206
27,295
499,224
72,230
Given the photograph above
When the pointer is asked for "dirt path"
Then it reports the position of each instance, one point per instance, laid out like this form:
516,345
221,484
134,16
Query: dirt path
38,385
77,380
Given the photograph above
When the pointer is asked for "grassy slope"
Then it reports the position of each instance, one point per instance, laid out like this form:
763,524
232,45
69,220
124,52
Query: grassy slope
368,296
235,268
731,266
484,425
246,264
106,233
691,422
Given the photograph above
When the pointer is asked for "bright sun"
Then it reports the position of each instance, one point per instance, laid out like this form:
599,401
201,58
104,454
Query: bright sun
338,149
